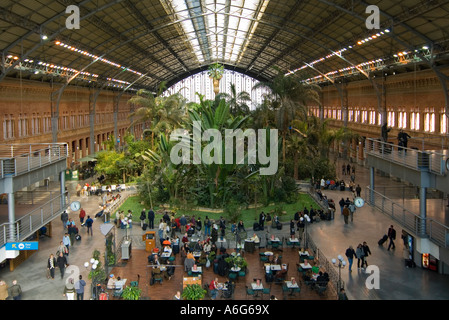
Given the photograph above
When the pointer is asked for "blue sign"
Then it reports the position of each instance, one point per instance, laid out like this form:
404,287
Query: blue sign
30,245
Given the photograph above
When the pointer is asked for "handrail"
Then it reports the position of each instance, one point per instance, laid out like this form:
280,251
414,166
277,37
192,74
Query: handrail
16,159
430,161
422,227
34,220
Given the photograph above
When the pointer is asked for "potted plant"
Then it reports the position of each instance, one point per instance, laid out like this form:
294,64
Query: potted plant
131,293
193,292
237,261
215,72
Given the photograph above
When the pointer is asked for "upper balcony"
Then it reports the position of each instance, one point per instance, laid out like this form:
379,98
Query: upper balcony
16,159
26,164
410,163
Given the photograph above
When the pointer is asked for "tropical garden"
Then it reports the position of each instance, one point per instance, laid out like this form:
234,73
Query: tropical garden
303,147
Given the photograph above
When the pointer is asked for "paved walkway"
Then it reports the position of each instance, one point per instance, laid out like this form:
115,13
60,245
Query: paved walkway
332,238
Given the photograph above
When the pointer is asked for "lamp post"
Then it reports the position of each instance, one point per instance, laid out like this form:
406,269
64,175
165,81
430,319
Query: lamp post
340,264
306,220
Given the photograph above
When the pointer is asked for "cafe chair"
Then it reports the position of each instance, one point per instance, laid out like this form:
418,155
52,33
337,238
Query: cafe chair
267,291
249,292
232,275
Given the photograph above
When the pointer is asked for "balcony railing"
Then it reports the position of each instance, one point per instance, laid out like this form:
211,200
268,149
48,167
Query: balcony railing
16,159
427,160
422,227
34,220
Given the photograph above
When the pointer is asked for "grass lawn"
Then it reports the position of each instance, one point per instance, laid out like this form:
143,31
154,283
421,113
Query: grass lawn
249,216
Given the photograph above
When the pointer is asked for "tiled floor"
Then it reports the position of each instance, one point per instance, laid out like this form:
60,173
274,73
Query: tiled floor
332,237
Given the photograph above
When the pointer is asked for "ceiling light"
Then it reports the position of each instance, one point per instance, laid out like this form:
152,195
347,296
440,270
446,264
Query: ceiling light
44,37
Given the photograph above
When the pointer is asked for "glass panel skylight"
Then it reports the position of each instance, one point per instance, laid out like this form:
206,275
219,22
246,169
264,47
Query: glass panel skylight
218,30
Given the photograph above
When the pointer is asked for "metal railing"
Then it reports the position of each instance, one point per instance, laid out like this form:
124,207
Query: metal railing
326,265
419,160
422,227
34,220
17,159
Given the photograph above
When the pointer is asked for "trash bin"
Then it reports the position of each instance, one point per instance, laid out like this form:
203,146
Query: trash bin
150,240
126,250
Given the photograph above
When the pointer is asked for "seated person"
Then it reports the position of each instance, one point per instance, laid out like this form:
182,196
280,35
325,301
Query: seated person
119,284
321,279
255,238
185,239
156,261
280,275
198,246
170,270
111,282
276,260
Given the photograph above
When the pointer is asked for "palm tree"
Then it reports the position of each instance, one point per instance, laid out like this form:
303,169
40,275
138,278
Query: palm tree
237,102
289,96
165,112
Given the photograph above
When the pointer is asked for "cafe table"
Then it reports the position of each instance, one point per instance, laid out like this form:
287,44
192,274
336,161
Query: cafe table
197,270
258,288
292,286
275,267
308,266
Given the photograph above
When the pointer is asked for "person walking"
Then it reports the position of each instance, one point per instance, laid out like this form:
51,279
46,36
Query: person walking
151,218
342,204
51,265
352,209
346,214
82,216
262,221
15,291
366,253
64,219
350,254
359,254
392,236
61,262
89,223
67,242
79,288
69,290
3,290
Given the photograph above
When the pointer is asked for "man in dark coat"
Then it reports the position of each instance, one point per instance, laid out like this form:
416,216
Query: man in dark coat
151,219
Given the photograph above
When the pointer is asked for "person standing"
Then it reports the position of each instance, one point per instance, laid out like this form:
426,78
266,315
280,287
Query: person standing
61,262
366,253
392,236
177,296
79,287
348,169
51,265
151,218
358,190
262,220
350,254
15,291
342,295
143,216
207,225
3,290
69,290
82,215
183,223
89,223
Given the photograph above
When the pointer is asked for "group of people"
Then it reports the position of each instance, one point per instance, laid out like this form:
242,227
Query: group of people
347,209
14,291
360,253
347,169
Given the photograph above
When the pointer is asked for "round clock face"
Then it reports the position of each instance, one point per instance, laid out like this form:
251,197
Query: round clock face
75,205
359,202
447,163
